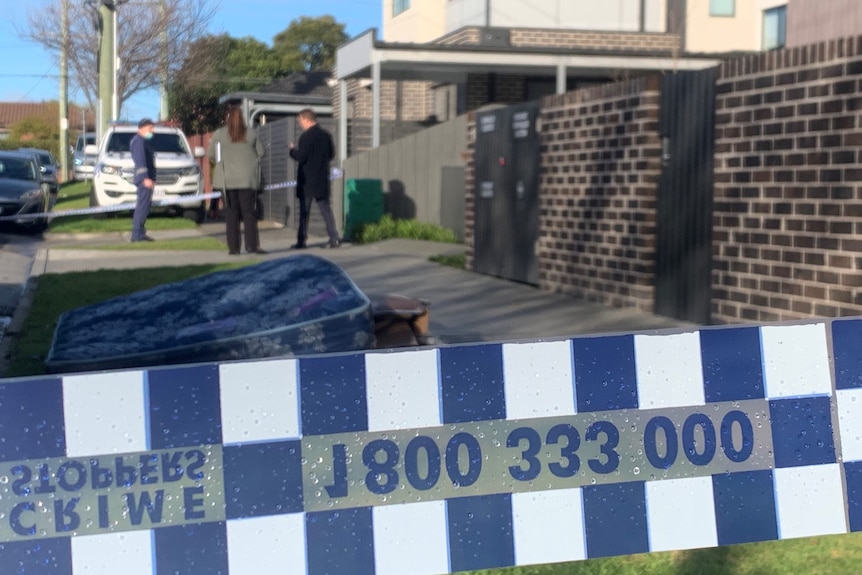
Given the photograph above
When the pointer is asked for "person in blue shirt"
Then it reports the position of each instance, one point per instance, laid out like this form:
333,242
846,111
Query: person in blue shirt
144,178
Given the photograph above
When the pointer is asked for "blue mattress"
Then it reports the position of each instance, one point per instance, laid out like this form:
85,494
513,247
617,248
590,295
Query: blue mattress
290,306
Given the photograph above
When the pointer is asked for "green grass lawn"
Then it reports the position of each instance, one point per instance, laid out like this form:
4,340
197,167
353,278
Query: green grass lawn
829,555
76,195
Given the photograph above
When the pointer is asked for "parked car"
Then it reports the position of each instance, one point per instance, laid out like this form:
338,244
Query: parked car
178,174
82,162
23,191
47,166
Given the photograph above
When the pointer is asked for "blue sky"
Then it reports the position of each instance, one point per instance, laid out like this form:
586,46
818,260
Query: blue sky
28,73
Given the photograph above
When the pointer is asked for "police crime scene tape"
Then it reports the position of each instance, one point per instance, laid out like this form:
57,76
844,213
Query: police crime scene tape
335,174
430,461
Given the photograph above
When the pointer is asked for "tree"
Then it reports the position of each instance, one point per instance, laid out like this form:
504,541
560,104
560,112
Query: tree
152,40
33,129
217,65
309,43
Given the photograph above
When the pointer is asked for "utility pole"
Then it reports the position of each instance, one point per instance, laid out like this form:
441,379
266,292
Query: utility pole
106,64
109,104
64,91
163,65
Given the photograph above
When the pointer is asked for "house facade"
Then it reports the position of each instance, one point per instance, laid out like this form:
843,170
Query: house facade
11,113
810,22
438,59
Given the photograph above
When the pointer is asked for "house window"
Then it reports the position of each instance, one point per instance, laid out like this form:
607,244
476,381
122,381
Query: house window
774,28
399,6
722,7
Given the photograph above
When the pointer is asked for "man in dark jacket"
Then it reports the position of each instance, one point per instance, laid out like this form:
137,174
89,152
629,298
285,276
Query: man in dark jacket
144,178
313,153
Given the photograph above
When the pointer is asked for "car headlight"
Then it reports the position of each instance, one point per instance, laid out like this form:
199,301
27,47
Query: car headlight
31,194
108,169
78,161
190,171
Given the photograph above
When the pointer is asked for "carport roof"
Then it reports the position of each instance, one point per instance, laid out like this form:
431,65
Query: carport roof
448,63
287,96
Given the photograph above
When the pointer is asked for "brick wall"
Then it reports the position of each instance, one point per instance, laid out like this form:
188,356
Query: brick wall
485,89
414,97
788,186
469,35
595,40
597,197
571,39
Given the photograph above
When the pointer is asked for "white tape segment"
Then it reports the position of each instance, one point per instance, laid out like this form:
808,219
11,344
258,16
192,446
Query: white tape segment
427,461
335,173
129,206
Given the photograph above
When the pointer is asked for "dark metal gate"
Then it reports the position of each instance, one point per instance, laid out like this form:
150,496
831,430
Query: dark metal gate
506,196
683,287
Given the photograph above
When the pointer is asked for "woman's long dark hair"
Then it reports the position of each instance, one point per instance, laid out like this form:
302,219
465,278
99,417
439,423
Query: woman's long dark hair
235,124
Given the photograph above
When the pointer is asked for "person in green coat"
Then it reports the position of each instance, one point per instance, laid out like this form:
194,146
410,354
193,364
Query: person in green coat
236,152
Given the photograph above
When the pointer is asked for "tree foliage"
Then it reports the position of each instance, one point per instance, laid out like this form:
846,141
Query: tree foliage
152,40
309,43
215,66
33,132
33,129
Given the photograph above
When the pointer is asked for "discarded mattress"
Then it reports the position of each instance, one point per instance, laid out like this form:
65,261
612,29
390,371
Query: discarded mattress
290,306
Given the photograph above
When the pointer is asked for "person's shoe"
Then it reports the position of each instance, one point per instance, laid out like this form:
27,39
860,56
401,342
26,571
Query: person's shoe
258,251
332,245
298,246
143,239
233,253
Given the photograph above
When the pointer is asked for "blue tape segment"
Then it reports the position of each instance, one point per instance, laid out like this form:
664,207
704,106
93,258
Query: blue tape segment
853,476
263,479
846,338
185,407
43,557
340,542
615,519
732,364
605,373
745,507
31,420
333,397
802,431
471,380
480,532
191,549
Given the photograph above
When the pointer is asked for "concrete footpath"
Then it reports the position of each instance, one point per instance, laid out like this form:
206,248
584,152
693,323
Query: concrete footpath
465,306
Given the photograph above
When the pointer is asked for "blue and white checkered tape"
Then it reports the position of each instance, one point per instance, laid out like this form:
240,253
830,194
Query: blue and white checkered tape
428,461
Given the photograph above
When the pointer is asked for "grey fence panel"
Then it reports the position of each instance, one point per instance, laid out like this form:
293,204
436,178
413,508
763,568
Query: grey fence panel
412,171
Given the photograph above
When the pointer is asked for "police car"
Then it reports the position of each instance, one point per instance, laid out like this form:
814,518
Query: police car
178,174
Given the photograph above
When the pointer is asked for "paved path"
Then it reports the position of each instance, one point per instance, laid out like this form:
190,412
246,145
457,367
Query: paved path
465,306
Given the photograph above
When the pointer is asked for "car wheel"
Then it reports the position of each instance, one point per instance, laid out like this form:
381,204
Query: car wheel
35,228
197,215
